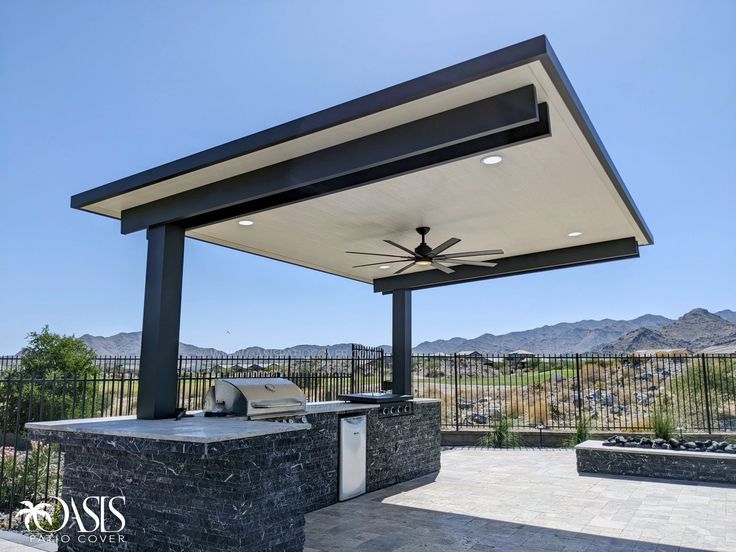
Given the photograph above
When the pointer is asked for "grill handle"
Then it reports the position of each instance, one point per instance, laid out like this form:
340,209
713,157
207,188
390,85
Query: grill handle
272,404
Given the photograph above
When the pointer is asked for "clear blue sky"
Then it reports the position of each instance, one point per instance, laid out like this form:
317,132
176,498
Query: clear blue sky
94,91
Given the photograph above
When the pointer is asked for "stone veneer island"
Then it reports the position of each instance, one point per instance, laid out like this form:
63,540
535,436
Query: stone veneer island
227,484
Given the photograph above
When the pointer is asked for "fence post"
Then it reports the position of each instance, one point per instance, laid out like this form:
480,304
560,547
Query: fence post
288,367
457,397
352,370
706,392
579,388
383,370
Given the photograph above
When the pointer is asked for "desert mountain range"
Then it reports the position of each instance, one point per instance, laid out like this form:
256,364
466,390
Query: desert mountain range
697,330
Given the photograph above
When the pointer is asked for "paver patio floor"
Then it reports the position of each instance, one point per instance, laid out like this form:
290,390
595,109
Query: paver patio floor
531,500
504,500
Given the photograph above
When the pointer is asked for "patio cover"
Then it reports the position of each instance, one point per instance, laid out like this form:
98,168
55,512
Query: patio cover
375,168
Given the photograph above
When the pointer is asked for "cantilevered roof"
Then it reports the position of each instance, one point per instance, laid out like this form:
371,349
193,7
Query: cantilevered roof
377,167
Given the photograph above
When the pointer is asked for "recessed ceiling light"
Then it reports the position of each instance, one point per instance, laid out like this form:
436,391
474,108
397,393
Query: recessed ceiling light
574,234
245,222
492,160
384,267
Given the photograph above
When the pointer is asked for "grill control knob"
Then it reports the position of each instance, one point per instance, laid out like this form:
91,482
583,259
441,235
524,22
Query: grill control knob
406,409
385,410
393,410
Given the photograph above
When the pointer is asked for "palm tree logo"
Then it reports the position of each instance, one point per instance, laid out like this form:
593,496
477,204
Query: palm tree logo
33,513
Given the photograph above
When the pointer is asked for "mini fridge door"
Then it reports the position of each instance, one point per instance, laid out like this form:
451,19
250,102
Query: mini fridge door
352,457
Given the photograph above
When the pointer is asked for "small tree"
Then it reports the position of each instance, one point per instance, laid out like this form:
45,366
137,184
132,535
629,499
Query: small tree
51,355
56,372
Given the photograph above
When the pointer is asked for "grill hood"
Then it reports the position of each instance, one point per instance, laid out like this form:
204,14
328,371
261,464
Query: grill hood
257,398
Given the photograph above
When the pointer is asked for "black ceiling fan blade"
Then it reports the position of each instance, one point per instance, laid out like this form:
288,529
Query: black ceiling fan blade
411,264
444,245
472,254
471,263
443,268
381,254
400,247
381,263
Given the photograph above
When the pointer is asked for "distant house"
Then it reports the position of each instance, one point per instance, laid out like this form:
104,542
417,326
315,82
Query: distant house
470,354
519,356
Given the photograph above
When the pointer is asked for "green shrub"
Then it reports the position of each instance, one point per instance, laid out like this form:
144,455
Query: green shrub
662,423
582,432
24,474
501,436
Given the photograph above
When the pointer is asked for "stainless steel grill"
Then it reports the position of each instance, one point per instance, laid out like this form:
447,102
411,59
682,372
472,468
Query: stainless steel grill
256,398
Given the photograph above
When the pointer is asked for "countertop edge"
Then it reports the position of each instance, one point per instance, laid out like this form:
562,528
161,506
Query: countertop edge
87,427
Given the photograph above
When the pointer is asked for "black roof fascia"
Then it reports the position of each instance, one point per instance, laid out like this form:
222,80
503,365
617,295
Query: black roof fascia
625,248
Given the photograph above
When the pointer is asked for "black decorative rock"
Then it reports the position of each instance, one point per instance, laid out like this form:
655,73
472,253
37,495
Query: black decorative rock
627,441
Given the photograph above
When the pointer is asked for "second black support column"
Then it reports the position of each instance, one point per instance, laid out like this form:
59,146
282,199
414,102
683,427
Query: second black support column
401,341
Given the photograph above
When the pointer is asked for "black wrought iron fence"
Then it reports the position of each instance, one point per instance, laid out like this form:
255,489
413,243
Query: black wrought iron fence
614,393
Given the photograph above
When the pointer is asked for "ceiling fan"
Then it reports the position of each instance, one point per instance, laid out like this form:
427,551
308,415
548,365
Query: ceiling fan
424,255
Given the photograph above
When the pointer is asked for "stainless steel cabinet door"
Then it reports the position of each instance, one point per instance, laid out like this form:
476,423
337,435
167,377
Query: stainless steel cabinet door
352,456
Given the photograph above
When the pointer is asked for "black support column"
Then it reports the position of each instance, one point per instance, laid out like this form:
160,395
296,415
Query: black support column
401,341
161,315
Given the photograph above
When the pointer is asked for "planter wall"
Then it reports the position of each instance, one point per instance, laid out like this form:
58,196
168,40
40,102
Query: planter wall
594,458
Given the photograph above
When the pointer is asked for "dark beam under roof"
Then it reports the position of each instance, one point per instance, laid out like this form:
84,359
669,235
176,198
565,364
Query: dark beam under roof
446,136
624,248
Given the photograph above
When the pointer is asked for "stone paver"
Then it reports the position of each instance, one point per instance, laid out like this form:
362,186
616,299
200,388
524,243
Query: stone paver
531,500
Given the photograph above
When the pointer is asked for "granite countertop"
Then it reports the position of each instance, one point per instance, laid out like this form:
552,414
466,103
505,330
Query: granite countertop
342,406
194,429
425,400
